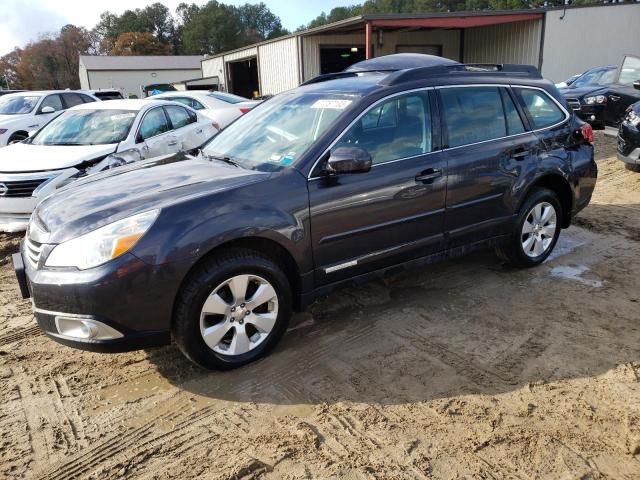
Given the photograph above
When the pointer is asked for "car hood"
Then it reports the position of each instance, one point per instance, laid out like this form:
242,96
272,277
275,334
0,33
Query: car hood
25,157
579,92
123,191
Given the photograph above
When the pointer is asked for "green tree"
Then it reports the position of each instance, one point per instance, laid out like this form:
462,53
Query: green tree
212,28
259,22
139,43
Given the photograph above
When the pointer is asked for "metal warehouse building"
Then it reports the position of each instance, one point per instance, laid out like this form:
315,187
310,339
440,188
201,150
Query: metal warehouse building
130,74
560,42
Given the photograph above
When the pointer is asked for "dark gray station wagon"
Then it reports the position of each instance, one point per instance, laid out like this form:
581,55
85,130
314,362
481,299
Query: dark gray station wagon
401,161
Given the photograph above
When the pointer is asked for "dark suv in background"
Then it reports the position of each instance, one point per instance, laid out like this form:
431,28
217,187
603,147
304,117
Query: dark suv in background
400,162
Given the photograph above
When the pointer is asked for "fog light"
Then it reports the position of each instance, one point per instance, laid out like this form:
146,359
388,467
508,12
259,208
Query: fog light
85,329
592,117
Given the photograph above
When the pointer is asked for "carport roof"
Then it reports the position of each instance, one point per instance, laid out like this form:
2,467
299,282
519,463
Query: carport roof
134,62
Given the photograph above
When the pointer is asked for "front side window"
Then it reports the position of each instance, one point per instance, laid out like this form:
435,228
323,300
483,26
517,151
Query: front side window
394,129
86,127
18,104
543,111
53,101
473,114
277,133
179,117
154,123
630,71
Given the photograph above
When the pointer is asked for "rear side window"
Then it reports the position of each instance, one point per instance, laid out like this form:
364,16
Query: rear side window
542,111
179,117
72,99
473,114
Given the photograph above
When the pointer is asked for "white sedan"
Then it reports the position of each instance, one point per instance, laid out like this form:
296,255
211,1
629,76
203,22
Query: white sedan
25,112
80,142
221,107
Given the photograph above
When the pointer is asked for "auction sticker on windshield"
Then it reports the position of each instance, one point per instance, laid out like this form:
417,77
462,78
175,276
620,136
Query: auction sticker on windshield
332,104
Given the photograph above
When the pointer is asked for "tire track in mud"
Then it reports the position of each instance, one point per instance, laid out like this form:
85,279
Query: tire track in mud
20,334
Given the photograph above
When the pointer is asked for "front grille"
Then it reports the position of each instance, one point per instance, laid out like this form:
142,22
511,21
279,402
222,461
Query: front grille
574,103
32,250
21,188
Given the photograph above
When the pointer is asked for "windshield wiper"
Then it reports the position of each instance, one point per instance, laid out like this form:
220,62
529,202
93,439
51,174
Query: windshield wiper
223,159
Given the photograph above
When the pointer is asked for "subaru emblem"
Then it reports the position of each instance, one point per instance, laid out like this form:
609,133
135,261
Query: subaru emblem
3,189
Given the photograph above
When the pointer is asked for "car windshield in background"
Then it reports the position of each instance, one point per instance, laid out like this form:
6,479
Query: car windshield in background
227,97
86,127
18,105
277,133
595,77
630,71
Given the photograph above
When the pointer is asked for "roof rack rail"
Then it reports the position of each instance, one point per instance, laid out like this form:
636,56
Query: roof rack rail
505,69
334,76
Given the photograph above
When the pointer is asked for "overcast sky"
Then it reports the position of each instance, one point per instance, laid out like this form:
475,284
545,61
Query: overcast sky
24,20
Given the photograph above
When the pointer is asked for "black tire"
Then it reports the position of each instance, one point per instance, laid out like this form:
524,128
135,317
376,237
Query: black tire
632,168
512,250
17,137
201,283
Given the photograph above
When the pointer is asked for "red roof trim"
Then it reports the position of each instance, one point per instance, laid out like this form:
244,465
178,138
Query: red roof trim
455,22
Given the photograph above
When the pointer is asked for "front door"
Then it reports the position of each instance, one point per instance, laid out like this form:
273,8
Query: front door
365,221
487,149
155,135
623,93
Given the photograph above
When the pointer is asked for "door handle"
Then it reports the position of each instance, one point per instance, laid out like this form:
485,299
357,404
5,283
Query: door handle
520,153
199,131
614,98
173,143
429,175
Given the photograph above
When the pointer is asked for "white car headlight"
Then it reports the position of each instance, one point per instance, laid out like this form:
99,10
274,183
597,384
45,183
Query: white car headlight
595,99
103,244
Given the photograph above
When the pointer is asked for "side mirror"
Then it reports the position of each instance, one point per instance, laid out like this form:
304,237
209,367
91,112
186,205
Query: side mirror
636,84
47,109
349,160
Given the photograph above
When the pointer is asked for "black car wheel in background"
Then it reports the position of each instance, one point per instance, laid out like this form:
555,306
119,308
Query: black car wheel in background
629,138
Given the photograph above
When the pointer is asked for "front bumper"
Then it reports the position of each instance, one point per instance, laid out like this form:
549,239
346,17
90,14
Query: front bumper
126,295
628,147
592,114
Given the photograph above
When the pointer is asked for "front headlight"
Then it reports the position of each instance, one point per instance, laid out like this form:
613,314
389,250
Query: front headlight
595,99
103,244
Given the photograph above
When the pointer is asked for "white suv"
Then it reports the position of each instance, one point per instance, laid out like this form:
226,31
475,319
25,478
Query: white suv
25,112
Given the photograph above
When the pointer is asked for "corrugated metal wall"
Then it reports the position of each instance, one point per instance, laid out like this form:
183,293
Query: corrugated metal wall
214,67
581,38
278,64
517,42
241,54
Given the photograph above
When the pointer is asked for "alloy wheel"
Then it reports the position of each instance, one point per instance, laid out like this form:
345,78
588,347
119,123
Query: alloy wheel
539,229
239,314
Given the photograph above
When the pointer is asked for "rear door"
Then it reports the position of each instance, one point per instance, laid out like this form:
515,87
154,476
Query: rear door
622,93
365,221
187,131
154,135
488,149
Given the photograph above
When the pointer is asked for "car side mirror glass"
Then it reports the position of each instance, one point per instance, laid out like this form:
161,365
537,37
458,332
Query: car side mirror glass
348,160
47,109
636,84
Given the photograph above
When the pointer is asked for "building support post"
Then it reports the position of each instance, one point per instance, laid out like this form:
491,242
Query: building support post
367,40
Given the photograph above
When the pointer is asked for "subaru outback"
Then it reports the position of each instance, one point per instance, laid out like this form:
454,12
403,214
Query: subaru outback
395,164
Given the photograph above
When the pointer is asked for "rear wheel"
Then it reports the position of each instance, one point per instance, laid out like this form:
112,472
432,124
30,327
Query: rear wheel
632,167
232,310
536,230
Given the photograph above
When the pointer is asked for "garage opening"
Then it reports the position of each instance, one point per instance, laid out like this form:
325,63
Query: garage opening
243,77
336,59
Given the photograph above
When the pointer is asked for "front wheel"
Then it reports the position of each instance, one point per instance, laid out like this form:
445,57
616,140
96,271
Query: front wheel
536,230
232,310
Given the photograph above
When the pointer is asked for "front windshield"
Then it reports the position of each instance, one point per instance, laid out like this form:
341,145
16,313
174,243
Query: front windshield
86,127
18,104
595,77
278,132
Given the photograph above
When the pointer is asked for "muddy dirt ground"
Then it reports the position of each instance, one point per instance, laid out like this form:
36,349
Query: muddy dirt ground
466,370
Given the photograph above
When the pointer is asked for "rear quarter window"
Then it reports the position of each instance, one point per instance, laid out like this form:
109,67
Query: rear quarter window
542,110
